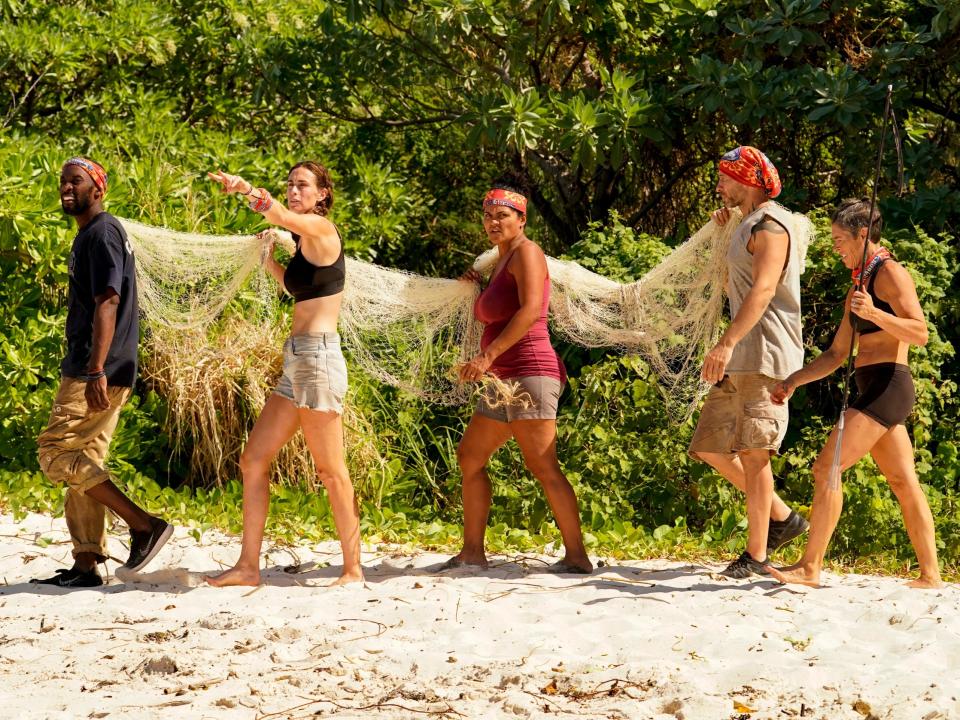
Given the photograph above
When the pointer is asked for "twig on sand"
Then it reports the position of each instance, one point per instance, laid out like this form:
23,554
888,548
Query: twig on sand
382,628
194,686
541,589
381,631
373,706
619,685
519,560
614,579
540,698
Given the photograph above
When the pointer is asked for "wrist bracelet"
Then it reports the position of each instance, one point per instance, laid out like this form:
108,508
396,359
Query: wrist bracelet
248,191
263,203
93,376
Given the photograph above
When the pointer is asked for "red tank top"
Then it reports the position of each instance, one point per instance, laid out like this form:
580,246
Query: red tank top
530,355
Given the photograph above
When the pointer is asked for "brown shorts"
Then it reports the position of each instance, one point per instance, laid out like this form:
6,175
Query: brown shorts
739,415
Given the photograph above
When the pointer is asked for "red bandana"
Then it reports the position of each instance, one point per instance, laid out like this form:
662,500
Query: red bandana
872,264
94,170
749,166
507,198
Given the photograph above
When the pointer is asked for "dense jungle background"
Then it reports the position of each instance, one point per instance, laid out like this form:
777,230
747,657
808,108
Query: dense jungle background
616,111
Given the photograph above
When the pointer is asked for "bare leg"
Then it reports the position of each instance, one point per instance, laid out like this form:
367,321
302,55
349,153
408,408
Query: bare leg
759,481
860,435
730,467
538,443
109,495
323,432
894,456
275,426
482,438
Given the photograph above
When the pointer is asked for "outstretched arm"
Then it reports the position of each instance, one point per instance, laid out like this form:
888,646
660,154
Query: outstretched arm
307,225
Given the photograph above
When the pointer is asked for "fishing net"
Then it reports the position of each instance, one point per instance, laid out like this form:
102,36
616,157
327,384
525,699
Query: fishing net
216,362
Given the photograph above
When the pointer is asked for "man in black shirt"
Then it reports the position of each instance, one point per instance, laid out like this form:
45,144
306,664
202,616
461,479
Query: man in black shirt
98,373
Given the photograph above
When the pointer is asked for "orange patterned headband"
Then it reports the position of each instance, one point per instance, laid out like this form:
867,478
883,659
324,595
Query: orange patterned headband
510,199
94,170
749,166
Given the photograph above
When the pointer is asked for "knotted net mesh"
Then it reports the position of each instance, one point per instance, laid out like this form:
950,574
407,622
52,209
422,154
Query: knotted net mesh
216,362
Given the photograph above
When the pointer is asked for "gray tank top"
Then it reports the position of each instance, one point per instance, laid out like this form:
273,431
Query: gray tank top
774,346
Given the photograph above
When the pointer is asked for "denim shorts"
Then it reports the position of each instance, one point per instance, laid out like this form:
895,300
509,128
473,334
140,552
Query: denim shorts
314,372
537,399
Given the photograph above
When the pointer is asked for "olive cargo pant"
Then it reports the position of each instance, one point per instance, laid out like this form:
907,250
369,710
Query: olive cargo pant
72,450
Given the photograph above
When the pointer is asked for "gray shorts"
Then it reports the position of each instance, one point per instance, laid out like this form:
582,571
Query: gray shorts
314,372
541,393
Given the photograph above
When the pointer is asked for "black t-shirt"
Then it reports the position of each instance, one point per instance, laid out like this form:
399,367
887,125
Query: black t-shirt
101,258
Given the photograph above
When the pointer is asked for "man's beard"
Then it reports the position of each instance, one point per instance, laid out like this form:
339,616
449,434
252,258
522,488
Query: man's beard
730,202
80,206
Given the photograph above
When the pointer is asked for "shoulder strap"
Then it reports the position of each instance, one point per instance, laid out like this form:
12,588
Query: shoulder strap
873,277
503,269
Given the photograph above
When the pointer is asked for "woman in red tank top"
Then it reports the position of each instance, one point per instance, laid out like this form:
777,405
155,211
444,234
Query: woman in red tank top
515,347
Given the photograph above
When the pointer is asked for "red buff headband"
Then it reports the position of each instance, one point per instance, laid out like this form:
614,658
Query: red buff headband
94,170
749,166
507,198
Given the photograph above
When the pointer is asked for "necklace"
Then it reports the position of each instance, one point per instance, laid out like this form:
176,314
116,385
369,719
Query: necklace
871,267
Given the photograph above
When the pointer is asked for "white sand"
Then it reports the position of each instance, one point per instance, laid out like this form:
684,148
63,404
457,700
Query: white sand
648,639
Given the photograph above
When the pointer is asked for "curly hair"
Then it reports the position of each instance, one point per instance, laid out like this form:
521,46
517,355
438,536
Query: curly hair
324,182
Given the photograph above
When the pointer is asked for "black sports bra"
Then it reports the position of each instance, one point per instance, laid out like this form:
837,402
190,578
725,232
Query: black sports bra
865,327
306,281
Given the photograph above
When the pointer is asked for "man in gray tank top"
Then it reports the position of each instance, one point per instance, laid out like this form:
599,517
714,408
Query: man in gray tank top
740,426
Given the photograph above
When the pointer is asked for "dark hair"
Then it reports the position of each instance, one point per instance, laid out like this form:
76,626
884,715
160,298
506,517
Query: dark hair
514,182
854,214
324,182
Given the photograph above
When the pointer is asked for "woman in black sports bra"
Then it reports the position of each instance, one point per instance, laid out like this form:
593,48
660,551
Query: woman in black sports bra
888,319
310,393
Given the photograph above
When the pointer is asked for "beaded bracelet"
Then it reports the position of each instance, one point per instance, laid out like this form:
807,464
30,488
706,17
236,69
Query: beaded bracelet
263,203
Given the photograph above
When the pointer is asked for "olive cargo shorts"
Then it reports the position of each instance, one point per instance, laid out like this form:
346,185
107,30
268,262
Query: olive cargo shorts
739,415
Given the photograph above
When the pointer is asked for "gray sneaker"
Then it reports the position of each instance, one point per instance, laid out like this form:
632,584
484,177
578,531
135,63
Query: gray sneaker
144,546
745,566
781,532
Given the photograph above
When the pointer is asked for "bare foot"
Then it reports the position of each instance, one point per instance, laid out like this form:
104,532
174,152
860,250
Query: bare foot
576,566
353,576
788,568
234,576
926,583
795,575
461,560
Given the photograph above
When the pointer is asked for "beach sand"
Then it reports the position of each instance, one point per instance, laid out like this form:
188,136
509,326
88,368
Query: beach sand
646,639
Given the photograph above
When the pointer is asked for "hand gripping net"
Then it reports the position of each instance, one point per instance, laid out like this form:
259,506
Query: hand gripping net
216,364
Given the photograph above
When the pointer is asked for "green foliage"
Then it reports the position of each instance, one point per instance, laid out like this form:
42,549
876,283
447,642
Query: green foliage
616,251
616,111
